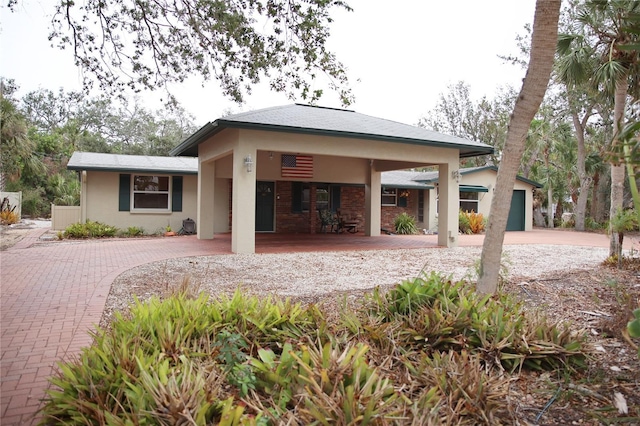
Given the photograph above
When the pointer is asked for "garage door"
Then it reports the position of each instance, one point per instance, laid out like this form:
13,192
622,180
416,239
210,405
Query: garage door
517,212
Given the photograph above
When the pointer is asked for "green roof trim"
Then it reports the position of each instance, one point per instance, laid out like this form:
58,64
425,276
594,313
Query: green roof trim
473,188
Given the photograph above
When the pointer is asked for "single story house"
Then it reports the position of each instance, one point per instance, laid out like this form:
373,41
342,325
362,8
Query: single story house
149,192
272,170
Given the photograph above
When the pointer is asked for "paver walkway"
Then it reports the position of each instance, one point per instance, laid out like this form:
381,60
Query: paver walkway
53,294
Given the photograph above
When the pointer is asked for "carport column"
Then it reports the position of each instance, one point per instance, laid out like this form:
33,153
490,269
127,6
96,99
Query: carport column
372,203
206,179
83,196
449,204
243,222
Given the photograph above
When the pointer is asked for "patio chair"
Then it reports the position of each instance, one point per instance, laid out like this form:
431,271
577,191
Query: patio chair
346,225
327,219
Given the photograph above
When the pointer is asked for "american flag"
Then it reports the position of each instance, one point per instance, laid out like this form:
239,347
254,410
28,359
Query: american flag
297,166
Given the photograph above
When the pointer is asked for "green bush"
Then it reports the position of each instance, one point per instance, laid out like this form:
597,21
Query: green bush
133,231
633,327
429,351
405,224
90,229
34,203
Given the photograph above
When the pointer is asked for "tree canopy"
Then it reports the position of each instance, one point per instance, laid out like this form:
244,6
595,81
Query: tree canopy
129,44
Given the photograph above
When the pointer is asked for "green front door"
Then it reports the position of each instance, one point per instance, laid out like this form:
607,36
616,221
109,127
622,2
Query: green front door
265,206
517,211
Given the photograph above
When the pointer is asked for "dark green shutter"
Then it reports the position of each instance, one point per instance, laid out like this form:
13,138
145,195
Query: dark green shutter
335,198
176,196
402,201
296,197
124,193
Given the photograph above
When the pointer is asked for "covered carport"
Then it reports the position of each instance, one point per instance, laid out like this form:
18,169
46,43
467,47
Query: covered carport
238,152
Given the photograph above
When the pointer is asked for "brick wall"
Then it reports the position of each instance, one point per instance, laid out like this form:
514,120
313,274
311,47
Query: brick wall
389,213
351,208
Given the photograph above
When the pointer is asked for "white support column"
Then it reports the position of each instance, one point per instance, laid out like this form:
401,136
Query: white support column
449,204
83,196
243,222
372,203
206,195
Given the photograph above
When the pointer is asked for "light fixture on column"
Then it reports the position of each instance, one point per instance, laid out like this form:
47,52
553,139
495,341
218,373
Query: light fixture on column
248,162
456,175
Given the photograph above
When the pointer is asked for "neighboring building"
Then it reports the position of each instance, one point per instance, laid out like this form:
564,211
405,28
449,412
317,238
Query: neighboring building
271,170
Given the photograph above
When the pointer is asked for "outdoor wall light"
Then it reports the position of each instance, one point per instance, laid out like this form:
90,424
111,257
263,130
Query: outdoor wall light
248,162
456,175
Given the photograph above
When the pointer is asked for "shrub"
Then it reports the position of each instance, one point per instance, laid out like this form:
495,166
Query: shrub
633,327
425,353
471,222
434,312
90,229
34,203
133,231
405,224
8,216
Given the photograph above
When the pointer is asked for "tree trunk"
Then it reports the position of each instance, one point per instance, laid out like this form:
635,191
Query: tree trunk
580,210
617,170
595,200
543,46
550,211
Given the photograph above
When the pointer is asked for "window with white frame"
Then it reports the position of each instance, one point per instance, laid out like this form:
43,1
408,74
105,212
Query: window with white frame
469,201
389,196
151,192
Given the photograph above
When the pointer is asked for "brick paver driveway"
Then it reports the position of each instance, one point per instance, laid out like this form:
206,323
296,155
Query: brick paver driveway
52,294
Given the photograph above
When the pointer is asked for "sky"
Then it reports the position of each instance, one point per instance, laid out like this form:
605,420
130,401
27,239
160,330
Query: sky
400,56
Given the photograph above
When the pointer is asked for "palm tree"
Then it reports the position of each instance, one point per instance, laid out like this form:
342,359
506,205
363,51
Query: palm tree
534,87
16,149
606,28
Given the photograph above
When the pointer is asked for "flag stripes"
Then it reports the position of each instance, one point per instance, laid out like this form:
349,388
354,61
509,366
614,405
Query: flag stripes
297,166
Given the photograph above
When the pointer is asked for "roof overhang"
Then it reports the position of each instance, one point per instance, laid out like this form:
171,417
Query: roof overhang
189,147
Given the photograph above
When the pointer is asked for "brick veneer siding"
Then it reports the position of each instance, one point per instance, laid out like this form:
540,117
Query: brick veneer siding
389,213
351,208
288,222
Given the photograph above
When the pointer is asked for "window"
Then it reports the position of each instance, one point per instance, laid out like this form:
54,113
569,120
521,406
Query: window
389,196
322,197
469,201
151,192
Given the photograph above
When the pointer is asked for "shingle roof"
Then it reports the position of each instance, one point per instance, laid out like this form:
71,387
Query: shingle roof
307,119
133,163
403,179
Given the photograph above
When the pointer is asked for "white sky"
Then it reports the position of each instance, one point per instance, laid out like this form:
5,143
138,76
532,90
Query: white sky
400,56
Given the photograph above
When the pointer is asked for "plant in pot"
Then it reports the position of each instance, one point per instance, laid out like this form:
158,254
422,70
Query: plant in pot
169,232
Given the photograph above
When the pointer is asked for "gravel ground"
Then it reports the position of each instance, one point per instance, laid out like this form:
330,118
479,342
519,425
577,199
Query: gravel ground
318,275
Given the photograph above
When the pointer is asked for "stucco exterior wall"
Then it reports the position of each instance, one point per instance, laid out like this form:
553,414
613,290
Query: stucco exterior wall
487,178
101,204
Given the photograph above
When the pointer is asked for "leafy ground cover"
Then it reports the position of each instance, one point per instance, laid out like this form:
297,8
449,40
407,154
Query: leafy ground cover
426,352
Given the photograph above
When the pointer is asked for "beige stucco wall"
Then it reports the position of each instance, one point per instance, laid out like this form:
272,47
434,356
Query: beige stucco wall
486,178
101,204
335,159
